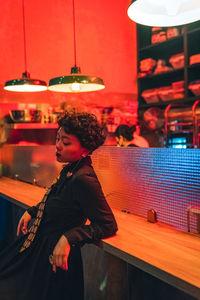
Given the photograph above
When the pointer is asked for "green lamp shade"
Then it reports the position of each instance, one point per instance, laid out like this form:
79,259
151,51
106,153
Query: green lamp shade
25,85
76,84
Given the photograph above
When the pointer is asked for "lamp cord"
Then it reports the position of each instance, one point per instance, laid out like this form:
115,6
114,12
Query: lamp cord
74,29
24,32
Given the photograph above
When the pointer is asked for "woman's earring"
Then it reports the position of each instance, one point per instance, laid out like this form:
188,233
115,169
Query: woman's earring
69,174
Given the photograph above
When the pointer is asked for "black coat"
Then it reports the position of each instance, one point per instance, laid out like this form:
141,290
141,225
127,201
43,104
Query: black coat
72,201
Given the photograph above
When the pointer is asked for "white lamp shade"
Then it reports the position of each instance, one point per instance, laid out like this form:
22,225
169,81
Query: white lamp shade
164,13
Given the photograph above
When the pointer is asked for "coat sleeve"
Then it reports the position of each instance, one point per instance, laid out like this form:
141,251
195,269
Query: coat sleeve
87,191
33,210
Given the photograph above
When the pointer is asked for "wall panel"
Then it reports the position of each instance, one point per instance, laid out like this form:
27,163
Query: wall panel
139,179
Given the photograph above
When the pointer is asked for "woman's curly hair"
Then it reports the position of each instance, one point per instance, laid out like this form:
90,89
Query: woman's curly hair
85,127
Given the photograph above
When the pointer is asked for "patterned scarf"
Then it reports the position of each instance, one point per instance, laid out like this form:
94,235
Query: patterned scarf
36,223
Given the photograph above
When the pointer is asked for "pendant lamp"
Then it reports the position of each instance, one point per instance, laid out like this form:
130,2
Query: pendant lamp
75,82
25,84
164,13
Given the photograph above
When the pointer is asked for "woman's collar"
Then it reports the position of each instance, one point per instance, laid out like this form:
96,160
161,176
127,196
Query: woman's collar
76,164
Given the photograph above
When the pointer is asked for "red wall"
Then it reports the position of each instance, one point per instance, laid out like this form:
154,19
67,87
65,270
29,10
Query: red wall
106,44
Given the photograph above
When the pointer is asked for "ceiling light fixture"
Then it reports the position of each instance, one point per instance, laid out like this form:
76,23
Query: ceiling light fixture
164,13
75,82
25,84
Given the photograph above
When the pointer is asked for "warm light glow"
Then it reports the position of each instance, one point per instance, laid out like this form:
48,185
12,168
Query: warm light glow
25,88
75,87
76,83
25,85
164,12
68,88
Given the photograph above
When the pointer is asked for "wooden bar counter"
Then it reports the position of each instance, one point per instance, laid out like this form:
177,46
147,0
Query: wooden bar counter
167,254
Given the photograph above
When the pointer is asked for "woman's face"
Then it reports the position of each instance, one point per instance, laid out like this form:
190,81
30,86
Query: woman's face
68,147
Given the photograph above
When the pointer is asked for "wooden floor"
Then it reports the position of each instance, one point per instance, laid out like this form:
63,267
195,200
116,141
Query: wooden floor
170,255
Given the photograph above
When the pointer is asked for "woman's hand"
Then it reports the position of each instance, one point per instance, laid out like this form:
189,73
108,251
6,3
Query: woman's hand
61,253
23,223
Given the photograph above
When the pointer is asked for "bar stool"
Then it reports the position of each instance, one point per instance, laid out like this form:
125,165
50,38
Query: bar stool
192,210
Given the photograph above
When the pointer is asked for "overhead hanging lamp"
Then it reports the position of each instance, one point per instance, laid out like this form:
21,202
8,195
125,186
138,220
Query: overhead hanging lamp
25,84
164,13
75,82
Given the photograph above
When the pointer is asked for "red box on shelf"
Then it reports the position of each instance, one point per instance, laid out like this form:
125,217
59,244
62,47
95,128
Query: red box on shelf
147,65
178,94
195,59
166,93
178,89
176,85
150,96
194,86
177,61
172,32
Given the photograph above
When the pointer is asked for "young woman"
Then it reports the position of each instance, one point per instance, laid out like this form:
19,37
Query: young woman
45,263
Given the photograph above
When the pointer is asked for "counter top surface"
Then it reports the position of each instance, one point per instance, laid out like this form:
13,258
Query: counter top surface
170,255
20,192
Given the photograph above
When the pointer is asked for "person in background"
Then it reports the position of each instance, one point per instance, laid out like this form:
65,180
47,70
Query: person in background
45,263
127,136
139,140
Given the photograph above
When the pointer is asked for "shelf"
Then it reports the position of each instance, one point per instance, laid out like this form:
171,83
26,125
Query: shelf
178,124
184,101
193,72
180,131
195,30
161,75
161,44
193,27
33,126
194,66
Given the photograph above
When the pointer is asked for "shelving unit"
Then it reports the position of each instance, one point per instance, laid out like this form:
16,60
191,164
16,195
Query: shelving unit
33,126
188,43
28,133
